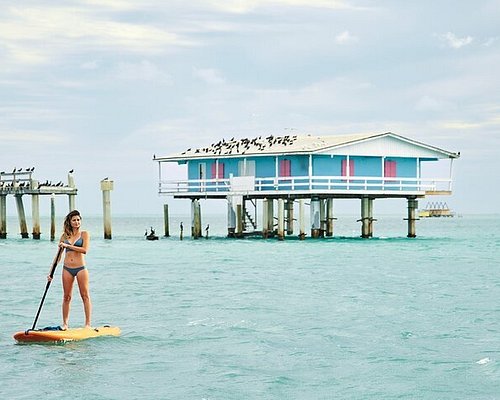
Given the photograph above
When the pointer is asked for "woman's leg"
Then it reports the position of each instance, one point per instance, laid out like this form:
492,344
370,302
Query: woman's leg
67,280
83,285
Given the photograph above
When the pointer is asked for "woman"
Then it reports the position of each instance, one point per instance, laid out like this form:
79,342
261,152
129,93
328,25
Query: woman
76,243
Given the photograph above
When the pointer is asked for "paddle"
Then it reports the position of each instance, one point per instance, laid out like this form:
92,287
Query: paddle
52,271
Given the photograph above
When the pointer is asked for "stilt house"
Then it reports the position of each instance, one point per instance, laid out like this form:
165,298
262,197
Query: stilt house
319,168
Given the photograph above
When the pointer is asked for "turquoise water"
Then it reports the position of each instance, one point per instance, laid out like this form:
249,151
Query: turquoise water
341,318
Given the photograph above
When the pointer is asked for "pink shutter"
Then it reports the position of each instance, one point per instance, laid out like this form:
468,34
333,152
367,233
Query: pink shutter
344,167
285,168
214,171
390,169
221,171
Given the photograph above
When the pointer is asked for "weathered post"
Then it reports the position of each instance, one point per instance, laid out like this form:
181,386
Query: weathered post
302,222
195,219
289,217
412,209
231,218
265,217
72,197
239,220
22,216
52,217
165,220
35,211
106,187
3,216
365,218
370,216
329,217
315,217
281,219
270,217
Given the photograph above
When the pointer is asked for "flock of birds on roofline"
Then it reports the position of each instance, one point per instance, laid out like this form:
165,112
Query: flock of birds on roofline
241,146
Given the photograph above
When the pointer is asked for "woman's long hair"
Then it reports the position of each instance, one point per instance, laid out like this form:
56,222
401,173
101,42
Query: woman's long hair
68,230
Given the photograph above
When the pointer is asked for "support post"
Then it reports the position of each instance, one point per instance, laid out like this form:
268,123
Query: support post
289,217
270,217
412,212
166,220
22,216
302,222
231,218
35,214
365,218
195,219
315,218
52,217
322,217
329,217
239,220
106,187
71,197
370,216
265,217
3,216
281,219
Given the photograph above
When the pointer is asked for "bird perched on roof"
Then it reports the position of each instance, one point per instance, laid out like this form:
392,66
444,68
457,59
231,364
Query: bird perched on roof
71,171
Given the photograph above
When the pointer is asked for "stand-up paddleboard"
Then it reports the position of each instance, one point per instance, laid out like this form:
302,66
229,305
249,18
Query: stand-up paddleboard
55,335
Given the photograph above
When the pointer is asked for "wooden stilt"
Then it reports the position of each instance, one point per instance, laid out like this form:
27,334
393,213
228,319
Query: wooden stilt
412,216
52,218
315,218
289,217
35,215
365,218
166,220
22,216
231,218
3,216
106,187
329,217
195,219
281,219
302,222
239,220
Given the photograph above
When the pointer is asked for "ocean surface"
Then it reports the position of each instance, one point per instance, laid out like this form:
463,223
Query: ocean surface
338,318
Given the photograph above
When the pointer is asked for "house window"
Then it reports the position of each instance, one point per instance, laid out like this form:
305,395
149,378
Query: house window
390,169
246,168
345,171
285,168
218,173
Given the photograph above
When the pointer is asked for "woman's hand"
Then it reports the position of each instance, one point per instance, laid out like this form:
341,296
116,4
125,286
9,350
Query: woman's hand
49,278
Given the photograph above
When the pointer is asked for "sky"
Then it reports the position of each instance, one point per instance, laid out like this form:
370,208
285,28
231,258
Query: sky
99,86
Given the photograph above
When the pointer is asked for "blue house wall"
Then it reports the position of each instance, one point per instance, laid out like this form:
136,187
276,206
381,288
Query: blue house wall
322,165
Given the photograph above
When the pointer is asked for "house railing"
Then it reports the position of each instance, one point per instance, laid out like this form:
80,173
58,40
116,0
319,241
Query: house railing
314,184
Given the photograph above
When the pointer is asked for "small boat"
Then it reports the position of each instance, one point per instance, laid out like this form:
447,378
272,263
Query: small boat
436,209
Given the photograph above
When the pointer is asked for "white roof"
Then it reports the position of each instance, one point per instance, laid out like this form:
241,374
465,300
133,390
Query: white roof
308,144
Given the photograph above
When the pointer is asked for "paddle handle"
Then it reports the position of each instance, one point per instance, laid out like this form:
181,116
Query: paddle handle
51,275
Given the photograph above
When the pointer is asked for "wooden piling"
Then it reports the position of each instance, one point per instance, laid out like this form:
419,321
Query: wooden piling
106,187
270,217
289,217
365,218
3,216
281,219
315,218
231,218
22,216
165,220
35,215
239,220
195,219
52,218
302,222
412,212
265,216
72,197
329,217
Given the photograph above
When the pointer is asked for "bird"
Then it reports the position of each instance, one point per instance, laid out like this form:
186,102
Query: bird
71,171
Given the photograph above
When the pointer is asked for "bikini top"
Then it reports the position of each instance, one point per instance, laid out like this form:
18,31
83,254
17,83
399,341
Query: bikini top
78,243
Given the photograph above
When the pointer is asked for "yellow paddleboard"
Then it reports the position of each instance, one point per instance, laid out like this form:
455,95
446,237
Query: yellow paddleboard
47,335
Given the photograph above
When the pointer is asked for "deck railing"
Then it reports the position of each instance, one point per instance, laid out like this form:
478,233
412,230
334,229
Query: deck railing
302,184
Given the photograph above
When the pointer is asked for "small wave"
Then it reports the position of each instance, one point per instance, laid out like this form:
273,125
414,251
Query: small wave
483,361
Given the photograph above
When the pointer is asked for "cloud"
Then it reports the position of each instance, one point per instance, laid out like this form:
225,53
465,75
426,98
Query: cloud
210,76
245,6
37,35
143,71
345,38
451,40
